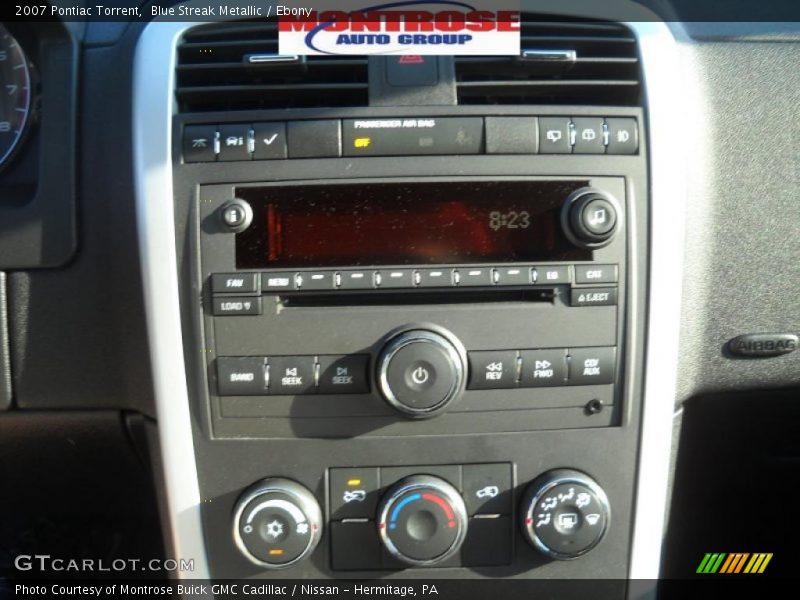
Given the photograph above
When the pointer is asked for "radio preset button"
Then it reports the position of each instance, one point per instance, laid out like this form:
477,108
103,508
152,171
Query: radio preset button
433,278
492,370
291,375
513,276
546,275
593,297
228,306
278,282
394,279
343,374
595,273
235,283
588,366
318,281
240,376
543,368
475,277
355,280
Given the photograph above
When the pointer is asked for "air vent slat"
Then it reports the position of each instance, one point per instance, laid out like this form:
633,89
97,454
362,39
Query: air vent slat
214,72
605,69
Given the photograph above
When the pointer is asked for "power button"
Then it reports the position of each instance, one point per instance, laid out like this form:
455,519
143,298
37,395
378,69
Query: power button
420,372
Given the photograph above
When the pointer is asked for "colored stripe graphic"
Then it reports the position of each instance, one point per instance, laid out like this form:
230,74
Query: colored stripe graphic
734,563
758,563
711,562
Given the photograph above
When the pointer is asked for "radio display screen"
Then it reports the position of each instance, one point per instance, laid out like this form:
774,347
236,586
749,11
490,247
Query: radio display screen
405,224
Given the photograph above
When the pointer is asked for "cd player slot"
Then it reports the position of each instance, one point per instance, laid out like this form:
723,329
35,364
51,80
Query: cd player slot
378,298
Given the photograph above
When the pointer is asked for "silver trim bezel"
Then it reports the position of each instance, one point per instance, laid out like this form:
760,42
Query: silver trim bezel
547,482
416,482
153,109
304,500
455,352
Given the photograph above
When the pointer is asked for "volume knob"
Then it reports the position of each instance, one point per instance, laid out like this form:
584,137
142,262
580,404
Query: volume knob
421,371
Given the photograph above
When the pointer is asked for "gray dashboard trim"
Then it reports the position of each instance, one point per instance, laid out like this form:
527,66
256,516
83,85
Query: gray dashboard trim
661,67
153,109
153,112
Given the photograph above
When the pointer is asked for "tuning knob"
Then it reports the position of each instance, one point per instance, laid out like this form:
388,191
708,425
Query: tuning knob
422,520
277,523
421,371
565,514
590,218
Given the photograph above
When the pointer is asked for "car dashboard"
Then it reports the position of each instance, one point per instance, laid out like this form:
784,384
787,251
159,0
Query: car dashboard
418,319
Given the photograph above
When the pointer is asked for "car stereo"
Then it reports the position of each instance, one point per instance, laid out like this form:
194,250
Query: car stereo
344,308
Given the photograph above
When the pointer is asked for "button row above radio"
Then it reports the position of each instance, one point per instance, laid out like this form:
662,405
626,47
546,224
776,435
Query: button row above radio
292,375
334,138
506,369
447,277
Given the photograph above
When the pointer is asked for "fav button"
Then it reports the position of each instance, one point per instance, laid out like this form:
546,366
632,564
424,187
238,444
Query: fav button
234,283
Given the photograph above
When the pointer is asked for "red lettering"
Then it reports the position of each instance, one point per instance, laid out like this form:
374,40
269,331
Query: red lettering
508,20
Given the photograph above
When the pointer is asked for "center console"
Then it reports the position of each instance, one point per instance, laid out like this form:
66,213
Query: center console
413,338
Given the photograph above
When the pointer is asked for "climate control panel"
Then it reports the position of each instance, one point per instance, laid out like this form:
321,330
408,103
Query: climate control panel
392,518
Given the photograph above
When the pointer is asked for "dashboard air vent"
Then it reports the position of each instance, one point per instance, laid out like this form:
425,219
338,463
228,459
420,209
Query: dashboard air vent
236,66
568,62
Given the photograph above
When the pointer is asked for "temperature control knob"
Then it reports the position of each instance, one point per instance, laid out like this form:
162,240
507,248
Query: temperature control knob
590,218
565,514
277,523
422,520
420,371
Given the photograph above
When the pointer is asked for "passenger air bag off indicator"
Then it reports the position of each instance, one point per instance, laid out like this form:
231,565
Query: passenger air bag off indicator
412,136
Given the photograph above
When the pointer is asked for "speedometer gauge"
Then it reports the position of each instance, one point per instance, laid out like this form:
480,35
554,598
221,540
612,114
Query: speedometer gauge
15,94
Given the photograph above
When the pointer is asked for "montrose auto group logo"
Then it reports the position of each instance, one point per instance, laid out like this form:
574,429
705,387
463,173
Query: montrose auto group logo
446,27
